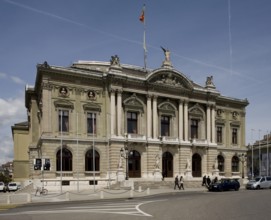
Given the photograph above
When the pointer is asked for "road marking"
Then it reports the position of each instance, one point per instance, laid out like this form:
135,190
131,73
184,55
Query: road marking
126,208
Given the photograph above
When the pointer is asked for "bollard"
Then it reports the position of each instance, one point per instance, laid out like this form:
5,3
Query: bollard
8,199
102,195
148,191
131,193
29,197
139,189
67,196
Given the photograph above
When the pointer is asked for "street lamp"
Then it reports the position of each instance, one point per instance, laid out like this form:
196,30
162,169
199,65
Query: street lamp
252,163
124,152
243,159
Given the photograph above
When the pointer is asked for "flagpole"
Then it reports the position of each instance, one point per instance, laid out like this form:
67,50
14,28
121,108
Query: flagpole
143,20
145,49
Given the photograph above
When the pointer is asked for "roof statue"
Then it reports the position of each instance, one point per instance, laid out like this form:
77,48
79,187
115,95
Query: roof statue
115,60
209,82
167,62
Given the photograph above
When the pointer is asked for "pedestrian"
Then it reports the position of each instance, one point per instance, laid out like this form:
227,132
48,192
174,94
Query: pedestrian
204,181
176,182
181,183
215,179
208,181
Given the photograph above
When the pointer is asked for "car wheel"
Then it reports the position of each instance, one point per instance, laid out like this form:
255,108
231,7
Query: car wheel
236,188
258,187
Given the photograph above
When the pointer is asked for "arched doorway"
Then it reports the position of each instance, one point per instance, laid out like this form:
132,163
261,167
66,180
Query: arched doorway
167,164
196,165
134,164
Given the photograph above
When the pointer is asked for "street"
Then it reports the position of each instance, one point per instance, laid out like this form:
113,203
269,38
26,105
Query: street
243,204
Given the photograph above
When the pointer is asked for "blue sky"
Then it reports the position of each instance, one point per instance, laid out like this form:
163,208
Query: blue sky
228,39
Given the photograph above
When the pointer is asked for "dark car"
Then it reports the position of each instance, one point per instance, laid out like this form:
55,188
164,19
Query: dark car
224,185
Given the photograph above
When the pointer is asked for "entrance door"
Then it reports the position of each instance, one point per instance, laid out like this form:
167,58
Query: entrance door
167,164
196,165
134,162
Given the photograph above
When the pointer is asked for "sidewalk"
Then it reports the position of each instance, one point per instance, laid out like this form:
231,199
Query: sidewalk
23,198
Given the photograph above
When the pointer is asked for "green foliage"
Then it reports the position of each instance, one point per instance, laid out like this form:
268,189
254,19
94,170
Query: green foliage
5,179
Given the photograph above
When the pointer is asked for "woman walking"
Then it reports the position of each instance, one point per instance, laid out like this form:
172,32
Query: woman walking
181,183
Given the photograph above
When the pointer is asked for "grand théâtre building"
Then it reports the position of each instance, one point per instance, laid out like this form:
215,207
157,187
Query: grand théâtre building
82,118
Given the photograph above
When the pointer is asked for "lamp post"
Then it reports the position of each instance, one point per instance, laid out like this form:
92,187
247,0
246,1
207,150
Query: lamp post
243,159
252,162
124,152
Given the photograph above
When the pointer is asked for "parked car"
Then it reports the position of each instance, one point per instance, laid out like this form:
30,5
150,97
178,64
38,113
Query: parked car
2,187
13,186
262,182
224,185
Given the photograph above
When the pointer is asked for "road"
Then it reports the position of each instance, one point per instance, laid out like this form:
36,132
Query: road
243,204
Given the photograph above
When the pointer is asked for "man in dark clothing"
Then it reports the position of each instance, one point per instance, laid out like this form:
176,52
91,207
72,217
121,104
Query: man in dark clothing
204,181
208,181
176,182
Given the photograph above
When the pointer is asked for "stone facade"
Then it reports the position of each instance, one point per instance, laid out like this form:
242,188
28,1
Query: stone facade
149,121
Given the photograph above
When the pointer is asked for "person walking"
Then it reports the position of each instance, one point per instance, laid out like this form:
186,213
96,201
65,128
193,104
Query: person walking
204,181
208,181
176,182
181,183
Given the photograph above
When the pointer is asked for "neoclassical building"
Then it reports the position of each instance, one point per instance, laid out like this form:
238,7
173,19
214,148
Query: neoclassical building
95,121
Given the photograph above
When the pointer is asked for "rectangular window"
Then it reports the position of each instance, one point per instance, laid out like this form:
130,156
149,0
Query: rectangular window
234,136
219,134
63,119
91,123
194,128
131,122
165,125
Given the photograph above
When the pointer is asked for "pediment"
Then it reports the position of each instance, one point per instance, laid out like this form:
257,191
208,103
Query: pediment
92,107
63,104
133,103
167,108
170,78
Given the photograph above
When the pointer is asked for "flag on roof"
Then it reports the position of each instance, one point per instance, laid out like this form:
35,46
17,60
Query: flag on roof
142,15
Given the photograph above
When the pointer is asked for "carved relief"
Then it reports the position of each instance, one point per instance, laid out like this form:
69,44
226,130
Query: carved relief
63,91
168,79
91,94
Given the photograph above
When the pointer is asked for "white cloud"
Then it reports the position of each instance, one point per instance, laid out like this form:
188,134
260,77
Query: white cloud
12,111
3,75
17,80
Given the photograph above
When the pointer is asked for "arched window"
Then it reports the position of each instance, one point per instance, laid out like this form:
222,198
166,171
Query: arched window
66,160
89,160
235,164
220,160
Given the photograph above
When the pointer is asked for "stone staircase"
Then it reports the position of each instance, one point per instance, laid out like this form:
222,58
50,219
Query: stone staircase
168,183
27,189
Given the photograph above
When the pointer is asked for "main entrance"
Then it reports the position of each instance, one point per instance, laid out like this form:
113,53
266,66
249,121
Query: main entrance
196,165
167,164
134,161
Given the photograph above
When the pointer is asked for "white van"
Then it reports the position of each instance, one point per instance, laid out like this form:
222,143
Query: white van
262,182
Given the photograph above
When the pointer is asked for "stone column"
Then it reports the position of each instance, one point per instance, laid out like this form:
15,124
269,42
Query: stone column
113,111
119,112
180,120
213,123
186,121
149,116
208,124
154,115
